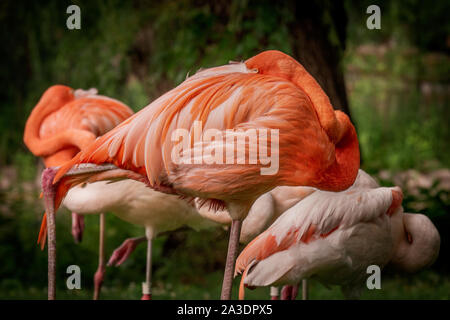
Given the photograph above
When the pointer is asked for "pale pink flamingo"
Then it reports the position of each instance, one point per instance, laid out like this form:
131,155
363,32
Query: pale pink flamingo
134,202
62,123
334,237
317,146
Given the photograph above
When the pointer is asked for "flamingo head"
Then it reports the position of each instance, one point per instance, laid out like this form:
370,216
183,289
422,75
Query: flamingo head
417,245
57,95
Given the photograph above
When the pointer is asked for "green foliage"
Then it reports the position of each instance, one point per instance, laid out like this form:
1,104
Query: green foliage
403,137
398,101
427,285
134,51
26,162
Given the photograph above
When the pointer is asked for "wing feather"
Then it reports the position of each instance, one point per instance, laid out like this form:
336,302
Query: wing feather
317,216
228,97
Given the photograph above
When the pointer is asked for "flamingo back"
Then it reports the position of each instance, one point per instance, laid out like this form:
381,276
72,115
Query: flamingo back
232,97
64,121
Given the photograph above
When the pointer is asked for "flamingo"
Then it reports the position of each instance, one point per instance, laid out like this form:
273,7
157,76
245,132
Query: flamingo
134,202
266,209
316,145
63,122
334,237
80,113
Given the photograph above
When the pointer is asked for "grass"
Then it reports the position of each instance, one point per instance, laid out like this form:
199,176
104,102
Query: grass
399,128
422,286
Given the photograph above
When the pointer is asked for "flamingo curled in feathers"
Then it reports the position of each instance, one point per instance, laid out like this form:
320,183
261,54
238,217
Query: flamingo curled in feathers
162,212
334,237
64,122
318,146
69,119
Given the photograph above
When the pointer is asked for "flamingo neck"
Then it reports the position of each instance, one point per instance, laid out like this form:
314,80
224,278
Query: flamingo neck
53,99
342,173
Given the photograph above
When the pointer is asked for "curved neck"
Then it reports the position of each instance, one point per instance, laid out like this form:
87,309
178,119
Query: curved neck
342,173
53,99
279,64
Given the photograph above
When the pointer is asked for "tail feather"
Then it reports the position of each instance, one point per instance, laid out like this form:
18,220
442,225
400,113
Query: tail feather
96,153
267,244
43,232
241,284
62,187
65,183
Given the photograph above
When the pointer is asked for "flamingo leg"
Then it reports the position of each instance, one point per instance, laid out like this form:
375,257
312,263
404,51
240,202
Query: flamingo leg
305,289
286,292
289,292
77,227
146,286
274,293
99,274
233,246
124,251
49,199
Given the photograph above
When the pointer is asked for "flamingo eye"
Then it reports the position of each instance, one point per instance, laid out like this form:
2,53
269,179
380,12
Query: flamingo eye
409,237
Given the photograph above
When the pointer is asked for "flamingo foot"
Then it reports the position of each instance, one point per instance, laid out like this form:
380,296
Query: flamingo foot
289,292
274,293
146,291
124,251
98,281
77,227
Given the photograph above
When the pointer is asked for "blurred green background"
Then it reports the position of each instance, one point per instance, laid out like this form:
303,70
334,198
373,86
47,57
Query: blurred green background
395,82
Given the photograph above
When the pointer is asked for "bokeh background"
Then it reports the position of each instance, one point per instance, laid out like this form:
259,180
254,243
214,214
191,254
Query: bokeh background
394,82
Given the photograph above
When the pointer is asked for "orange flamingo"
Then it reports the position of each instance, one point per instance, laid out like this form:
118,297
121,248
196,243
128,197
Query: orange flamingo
64,122
317,146
156,207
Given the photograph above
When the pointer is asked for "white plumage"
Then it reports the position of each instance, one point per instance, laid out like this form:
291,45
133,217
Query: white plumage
334,237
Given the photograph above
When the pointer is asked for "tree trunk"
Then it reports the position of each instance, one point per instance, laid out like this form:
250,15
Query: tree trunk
314,49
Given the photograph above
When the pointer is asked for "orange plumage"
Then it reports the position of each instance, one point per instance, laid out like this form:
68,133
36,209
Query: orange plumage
64,122
318,146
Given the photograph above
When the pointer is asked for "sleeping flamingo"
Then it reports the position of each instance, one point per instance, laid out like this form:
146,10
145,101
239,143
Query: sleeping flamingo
64,122
271,92
70,119
262,214
334,237
134,202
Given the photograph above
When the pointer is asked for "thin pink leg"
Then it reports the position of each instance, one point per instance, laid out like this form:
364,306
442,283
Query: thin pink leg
305,295
147,285
49,199
99,275
274,293
289,292
77,227
286,292
233,246
124,251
